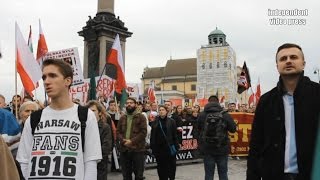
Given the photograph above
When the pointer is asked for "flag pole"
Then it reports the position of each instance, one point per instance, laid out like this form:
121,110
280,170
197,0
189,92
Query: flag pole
104,68
15,74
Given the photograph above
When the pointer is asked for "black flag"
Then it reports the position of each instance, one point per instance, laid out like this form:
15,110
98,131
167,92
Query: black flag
244,81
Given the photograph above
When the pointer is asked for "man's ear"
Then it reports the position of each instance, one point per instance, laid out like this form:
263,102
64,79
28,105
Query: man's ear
68,81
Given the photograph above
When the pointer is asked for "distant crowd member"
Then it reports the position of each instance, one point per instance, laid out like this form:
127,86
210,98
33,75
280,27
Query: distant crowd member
232,107
115,116
25,110
286,121
105,137
68,129
176,118
154,107
2,101
164,137
214,125
112,110
15,103
9,129
131,132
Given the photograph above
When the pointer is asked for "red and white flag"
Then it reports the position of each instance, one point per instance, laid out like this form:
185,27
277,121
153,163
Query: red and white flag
151,93
222,98
27,67
251,100
42,45
258,92
115,58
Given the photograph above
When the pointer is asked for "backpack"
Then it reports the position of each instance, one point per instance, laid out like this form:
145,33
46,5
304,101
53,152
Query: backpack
82,114
214,131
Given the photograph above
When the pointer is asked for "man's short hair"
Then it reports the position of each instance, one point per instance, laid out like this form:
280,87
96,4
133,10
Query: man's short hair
168,101
289,45
64,68
112,101
163,106
17,95
213,98
132,99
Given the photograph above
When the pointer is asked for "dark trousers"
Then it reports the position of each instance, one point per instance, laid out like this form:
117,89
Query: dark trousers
290,176
132,162
210,164
102,169
166,166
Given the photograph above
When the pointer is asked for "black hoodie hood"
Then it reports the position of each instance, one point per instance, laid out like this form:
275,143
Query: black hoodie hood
213,107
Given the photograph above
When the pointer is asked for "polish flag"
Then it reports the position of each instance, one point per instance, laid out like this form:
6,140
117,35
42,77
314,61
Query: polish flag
42,45
115,58
222,99
27,67
251,98
258,92
151,94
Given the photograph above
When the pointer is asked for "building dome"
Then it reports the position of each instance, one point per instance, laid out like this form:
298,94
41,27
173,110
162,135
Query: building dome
217,32
217,38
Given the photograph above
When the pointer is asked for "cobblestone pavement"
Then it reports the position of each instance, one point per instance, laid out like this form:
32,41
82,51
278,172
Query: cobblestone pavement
194,171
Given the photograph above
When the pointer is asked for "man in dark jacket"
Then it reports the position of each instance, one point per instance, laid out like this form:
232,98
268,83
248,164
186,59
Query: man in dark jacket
285,123
214,153
131,132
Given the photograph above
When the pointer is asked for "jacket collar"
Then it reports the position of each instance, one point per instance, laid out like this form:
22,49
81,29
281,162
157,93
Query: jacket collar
282,90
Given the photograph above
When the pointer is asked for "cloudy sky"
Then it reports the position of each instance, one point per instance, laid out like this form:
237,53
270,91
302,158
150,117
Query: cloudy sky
168,27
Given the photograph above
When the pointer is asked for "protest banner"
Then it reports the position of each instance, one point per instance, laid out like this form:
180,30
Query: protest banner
71,56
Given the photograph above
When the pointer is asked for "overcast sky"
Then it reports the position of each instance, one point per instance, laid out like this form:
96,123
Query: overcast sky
167,27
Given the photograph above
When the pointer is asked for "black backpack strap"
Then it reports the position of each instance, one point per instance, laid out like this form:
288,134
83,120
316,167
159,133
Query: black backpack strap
83,115
35,119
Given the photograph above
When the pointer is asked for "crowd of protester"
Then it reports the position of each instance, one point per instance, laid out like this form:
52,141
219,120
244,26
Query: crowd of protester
108,115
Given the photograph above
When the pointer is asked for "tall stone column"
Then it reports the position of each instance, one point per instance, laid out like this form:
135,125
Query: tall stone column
99,34
106,6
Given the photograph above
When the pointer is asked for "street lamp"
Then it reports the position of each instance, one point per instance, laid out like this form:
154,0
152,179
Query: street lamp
316,71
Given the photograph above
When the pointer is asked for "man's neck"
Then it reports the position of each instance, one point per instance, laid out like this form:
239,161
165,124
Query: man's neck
290,83
61,103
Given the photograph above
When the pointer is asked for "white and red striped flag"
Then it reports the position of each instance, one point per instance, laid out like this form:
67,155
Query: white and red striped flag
42,45
151,94
258,92
27,67
115,58
251,100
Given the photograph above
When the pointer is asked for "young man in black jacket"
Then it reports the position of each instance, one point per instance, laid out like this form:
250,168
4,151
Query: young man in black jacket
285,123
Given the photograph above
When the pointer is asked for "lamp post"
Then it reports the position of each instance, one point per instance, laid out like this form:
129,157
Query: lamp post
316,71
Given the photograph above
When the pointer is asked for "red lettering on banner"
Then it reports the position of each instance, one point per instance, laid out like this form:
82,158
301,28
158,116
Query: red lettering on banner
105,86
189,144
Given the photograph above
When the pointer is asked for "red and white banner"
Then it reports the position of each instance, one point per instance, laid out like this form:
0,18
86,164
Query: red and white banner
70,56
81,91
105,86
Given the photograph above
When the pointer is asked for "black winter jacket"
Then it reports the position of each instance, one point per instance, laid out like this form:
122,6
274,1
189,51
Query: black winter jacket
267,145
231,127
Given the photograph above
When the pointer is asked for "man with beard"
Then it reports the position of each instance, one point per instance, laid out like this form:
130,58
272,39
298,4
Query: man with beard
285,125
131,132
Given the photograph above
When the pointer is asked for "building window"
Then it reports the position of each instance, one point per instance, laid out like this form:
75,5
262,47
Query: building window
193,87
174,87
215,41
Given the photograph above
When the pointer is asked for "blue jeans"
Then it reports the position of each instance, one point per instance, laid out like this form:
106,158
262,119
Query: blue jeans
210,164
